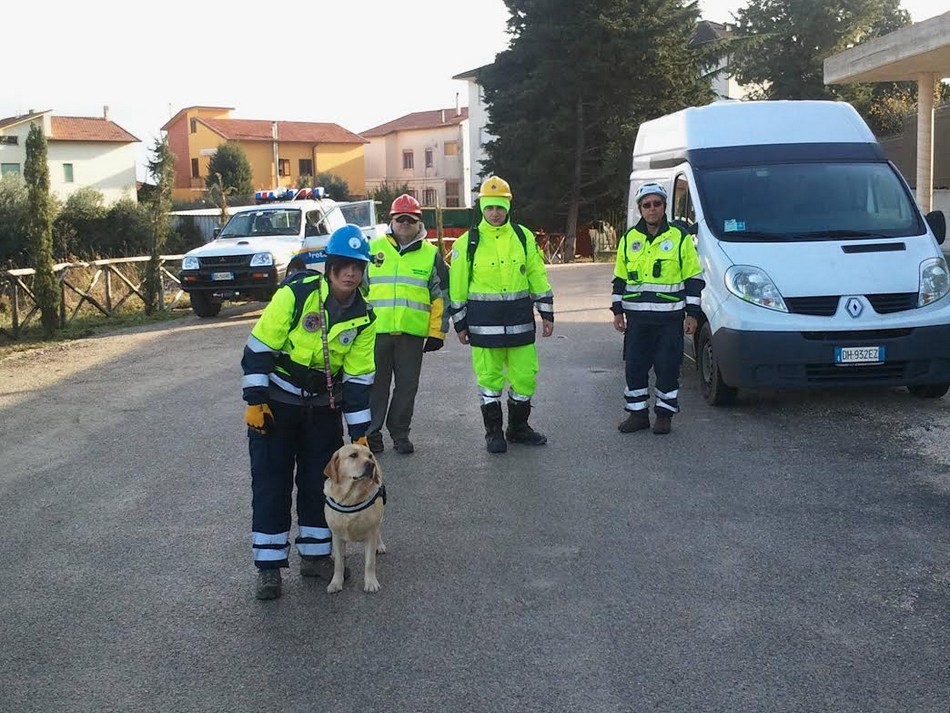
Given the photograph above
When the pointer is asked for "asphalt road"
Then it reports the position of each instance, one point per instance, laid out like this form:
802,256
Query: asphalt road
790,553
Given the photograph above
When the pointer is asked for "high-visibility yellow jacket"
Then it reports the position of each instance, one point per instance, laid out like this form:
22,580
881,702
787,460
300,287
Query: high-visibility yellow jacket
406,288
284,357
492,295
657,276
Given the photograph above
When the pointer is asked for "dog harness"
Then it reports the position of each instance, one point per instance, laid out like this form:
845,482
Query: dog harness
334,505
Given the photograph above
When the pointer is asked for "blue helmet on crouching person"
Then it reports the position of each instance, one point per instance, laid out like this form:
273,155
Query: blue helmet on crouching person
347,243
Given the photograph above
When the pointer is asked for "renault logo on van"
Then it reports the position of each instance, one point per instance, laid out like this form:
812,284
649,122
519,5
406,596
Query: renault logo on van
854,307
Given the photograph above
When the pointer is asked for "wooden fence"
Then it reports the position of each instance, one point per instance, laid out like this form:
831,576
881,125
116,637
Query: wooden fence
109,286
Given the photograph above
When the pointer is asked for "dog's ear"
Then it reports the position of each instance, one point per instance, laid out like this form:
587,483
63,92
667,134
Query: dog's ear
332,471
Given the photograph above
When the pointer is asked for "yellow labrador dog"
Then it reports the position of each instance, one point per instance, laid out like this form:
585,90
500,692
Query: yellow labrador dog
355,500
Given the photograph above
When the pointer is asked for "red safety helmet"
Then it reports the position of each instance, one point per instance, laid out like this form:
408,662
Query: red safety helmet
405,204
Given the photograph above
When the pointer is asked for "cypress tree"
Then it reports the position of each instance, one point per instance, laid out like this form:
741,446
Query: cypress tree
161,167
39,229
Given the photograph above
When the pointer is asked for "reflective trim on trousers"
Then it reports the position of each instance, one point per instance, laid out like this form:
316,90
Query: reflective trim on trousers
489,397
501,329
636,399
313,541
667,400
270,547
497,296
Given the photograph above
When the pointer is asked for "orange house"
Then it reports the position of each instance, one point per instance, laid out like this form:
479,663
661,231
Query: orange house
280,152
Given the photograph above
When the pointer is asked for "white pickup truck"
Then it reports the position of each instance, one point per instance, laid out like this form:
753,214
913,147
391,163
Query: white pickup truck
248,257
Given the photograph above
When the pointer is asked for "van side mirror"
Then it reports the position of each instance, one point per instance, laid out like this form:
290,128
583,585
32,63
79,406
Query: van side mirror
215,232
938,224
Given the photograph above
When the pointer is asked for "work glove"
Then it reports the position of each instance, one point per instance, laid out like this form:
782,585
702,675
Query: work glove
259,418
433,344
361,441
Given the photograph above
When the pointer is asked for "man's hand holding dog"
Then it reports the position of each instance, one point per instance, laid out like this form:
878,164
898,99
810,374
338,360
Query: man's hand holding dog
259,418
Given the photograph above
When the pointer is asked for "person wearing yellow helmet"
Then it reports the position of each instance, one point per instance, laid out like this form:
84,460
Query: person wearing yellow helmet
496,279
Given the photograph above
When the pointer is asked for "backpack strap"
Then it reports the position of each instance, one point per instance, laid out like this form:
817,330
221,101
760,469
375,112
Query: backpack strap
302,290
473,241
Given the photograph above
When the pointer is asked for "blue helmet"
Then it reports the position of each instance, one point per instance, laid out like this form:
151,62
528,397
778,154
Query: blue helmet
349,242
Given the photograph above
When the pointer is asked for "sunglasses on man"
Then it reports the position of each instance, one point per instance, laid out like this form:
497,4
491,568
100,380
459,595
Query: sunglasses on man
407,219
651,204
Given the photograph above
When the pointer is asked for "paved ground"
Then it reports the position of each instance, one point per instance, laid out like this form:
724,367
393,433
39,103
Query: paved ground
787,554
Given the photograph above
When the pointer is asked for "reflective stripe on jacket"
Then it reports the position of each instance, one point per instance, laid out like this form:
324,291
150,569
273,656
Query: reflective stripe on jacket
492,296
405,288
661,274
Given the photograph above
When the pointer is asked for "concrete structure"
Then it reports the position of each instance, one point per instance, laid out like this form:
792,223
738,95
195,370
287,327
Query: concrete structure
83,152
281,153
918,52
427,151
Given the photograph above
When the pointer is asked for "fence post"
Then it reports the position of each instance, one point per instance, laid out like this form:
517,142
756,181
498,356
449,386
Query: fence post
62,299
15,300
108,288
161,286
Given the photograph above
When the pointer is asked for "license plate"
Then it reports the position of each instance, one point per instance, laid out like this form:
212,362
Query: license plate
859,355
222,275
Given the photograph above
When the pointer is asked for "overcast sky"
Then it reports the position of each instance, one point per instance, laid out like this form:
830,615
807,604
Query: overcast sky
357,63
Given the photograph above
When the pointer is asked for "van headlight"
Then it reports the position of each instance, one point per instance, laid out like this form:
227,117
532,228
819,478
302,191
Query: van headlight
754,285
189,263
262,260
934,281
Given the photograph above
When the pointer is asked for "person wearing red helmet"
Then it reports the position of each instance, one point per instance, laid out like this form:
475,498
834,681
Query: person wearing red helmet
408,283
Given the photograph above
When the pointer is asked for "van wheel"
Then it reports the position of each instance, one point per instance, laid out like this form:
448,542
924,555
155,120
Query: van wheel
715,390
929,391
203,306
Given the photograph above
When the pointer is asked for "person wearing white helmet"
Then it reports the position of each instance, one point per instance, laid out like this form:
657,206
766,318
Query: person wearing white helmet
656,291
308,362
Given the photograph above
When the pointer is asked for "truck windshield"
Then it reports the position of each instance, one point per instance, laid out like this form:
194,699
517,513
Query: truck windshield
270,221
807,201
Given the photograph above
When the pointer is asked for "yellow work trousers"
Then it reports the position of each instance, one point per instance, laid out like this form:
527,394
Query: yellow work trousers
493,365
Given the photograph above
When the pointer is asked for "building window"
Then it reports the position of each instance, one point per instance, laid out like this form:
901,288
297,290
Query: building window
67,173
407,160
428,197
414,193
195,173
11,140
452,194
283,167
306,167
428,158
6,168
451,148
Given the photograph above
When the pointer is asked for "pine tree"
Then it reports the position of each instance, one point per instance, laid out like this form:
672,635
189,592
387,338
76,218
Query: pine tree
161,167
230,166
39,229
568,95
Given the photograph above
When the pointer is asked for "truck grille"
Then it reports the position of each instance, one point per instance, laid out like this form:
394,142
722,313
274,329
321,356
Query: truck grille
221,261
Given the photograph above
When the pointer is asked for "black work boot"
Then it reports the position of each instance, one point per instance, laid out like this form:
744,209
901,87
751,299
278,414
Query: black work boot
494,432
268,584
635,421
518,429
663,424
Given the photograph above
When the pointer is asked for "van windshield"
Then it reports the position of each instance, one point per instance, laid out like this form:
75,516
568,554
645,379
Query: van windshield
807,201
270,221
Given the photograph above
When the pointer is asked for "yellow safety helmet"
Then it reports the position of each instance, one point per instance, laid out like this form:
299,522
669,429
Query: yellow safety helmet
495,187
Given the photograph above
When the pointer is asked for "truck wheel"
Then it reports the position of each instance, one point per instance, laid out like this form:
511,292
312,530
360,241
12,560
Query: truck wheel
715,391
203,306
929,391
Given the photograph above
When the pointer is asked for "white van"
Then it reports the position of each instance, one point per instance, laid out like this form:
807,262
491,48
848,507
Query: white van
820,269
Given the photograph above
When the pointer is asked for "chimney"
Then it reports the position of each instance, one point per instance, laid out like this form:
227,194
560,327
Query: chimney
458,110
105,112
443,116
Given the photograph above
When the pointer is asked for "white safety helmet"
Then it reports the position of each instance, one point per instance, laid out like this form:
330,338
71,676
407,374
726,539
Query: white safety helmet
650,189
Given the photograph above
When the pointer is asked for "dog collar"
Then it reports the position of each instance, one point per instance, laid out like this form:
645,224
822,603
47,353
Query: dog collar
334,505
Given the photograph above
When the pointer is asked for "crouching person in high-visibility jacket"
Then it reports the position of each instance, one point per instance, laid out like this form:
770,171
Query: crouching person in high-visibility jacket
496,277
308,360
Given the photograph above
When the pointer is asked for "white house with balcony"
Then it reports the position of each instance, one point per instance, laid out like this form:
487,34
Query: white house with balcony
82,152
425,151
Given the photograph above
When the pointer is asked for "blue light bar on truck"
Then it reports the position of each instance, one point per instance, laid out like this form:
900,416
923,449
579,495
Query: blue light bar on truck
289,194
